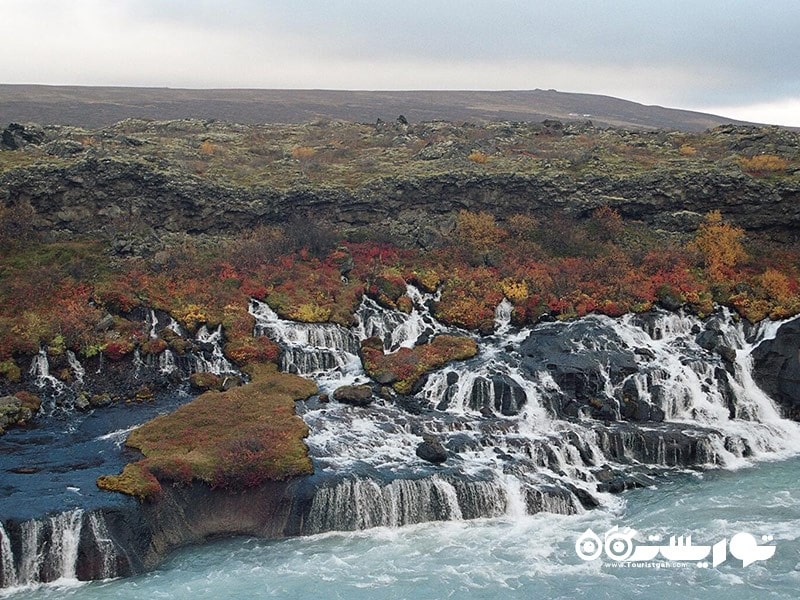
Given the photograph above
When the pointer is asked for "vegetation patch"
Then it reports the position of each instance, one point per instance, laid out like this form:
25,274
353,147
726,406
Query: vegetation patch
403,368
235,439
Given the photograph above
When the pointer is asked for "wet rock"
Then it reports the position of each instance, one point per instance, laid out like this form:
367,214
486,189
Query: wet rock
99,400
509,397
582,357
355,395
776,368
17,409
82,402
431,450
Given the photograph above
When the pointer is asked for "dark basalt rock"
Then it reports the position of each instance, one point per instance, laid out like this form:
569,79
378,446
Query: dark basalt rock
776,368
16,136
509,397
431,450
355,395
578,356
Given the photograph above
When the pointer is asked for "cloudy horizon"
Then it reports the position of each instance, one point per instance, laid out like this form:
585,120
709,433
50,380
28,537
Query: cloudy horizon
733,59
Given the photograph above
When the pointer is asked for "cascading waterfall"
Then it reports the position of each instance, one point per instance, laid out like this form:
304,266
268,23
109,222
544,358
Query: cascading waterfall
32,553
151,324
8,572
524,433
77,368
105,545
40,371
397,329
502,317
166,362
47,549
309,349
216,363
64,540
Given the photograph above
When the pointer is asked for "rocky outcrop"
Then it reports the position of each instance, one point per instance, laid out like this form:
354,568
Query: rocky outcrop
356,395
118,197
581,360
776,368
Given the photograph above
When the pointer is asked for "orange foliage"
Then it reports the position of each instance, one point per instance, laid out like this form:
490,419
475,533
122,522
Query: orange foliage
720,246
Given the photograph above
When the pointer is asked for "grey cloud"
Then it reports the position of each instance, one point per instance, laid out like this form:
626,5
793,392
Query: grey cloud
679,52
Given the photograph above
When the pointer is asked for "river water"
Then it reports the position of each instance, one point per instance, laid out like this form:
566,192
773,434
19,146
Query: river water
509,557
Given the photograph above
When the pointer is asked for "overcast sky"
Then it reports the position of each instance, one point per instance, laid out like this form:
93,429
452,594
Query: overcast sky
739,58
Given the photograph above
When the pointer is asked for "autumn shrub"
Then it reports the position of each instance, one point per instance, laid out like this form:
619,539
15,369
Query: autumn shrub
118,349
479,234
605,225
403,368
207,148
763,164
719,245
10,371
257,247
478,157
303,152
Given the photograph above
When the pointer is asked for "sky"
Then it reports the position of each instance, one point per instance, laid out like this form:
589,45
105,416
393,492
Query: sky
737,58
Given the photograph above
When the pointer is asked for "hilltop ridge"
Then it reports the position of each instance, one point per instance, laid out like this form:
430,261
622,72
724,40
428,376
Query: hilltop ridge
103,106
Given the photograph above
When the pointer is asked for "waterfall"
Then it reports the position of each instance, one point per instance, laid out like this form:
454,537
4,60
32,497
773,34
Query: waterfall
322,350
395,328
166,362
151,324
32,554
48,549
549,418
40,371
216,363
8,572
105,545
502,317
362,503
76,366
64,540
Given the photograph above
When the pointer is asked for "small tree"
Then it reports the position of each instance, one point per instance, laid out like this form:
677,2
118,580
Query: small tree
720,245
479,233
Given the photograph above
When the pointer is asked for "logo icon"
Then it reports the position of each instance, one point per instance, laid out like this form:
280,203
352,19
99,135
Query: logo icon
619,545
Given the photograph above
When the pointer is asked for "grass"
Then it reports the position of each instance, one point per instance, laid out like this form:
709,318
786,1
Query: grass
234,439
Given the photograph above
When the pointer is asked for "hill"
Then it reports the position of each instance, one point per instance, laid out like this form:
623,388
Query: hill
101,106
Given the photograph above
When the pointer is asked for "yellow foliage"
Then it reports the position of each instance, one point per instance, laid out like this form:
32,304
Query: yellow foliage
478,231
310,313
428,279
777,285
720,244
478,157
191,315
687,150
207,148
516,291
